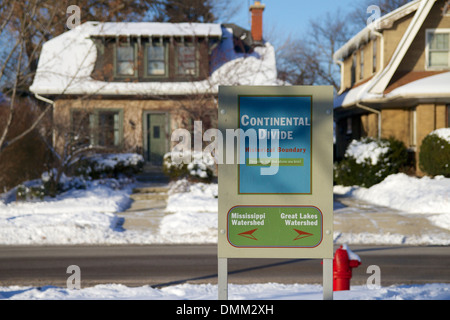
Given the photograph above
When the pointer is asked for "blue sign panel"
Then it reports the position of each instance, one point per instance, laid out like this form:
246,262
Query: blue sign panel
282,125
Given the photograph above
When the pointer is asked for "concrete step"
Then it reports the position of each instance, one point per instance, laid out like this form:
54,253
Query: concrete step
152,173
142,223
149,177
150,189
149,196
147,205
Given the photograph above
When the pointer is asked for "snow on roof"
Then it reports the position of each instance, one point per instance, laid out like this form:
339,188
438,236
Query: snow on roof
154,29
435,86
67,61
384,22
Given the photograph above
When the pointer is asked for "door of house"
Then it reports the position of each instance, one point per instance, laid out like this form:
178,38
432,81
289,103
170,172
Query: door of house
156,137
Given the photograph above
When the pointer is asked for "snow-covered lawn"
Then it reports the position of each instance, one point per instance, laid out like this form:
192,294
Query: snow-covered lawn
265,291
89,216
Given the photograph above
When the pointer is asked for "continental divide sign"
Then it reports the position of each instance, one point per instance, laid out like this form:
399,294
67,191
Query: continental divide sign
275,187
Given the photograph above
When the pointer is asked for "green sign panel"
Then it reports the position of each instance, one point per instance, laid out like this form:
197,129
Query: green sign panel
275,226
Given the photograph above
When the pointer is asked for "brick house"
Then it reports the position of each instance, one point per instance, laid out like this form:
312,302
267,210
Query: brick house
395,77
127,86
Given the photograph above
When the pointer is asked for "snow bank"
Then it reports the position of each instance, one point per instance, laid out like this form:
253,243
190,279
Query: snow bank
74,217
429,196
192,213
265,291
408,194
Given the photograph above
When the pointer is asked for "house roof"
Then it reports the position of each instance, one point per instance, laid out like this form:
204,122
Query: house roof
67,61
113,29
378,25
433,87
375,90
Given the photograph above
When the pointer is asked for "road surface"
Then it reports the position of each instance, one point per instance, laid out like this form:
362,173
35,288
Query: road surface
163,265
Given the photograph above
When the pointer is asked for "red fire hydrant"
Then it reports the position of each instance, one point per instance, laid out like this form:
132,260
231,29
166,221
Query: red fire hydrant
342,268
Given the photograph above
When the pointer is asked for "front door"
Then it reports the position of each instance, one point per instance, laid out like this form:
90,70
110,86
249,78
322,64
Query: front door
156,144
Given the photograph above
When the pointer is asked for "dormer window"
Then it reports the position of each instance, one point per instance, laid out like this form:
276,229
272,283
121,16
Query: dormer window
126,60
186,60
156,59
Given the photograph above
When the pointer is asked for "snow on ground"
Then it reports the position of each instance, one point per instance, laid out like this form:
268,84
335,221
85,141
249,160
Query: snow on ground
89,216
266,291
408,194
76,216
193,209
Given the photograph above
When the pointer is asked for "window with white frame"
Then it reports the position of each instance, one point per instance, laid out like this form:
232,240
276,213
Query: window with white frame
438,48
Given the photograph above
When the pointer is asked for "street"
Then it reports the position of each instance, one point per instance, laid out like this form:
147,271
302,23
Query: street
163,265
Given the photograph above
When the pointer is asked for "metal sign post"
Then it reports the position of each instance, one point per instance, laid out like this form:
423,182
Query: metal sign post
276,175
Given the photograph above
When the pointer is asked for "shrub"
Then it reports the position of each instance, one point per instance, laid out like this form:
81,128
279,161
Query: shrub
369,161
200,167
30,193
109,165
434,155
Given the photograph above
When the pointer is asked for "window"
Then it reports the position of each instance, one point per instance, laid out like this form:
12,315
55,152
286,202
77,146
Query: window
361,64
97,127
446,9
448,115
374,56
81,127
413,128
187,63
125,60
438,49
108,129
349,128
156,60
353,71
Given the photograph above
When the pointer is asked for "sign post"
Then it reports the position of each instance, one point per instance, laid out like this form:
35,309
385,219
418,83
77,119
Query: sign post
276,175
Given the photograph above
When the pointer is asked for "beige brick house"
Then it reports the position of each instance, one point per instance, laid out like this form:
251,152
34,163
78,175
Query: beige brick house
395,77
127,86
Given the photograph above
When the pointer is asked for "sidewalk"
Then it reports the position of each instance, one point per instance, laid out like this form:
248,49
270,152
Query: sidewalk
149,201
356,217
355,221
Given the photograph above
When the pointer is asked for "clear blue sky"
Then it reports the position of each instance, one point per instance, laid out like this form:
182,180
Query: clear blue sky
292,16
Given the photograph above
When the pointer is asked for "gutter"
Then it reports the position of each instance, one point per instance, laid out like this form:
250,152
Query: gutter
378,112
341,65
39,97
52,103
381,67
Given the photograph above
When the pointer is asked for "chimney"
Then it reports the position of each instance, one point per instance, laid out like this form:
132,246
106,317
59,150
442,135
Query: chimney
257,21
